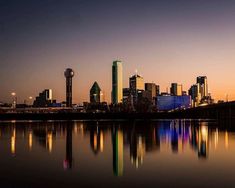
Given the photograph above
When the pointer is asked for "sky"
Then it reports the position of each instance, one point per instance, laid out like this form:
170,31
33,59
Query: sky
166,41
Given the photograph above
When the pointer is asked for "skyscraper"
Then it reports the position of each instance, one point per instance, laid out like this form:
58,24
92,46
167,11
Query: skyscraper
95,93
117,94
152,88
176,89
199,92
151,92
69,73
136,82
194,92
202,81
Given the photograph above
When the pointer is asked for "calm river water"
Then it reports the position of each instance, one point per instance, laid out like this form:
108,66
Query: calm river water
169,153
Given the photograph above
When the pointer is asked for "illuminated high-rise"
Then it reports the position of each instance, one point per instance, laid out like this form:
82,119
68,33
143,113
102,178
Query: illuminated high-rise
152,88
136,82
117,94
176,89
194,92
202,81
69,73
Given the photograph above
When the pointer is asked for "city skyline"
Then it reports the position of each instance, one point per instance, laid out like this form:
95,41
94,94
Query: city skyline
143,90
171,43
167,90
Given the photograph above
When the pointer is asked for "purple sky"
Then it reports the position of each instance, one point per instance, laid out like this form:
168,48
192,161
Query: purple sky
166,41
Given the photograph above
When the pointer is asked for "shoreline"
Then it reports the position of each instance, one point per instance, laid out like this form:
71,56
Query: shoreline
107,116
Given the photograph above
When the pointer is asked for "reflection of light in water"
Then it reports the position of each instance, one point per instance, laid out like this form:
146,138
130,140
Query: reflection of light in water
154,135
101,141
216,136
120,152
49,141
76,129
204,133
203,142
81,129
226,139
13,139
30,140
95,141
140,151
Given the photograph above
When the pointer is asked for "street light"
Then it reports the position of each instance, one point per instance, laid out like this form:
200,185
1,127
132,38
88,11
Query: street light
30,99
14,99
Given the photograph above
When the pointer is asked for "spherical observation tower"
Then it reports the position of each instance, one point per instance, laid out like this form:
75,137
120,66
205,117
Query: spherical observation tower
69,73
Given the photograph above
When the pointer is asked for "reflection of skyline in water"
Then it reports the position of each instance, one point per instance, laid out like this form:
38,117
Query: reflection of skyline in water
69,147
139,138
117,140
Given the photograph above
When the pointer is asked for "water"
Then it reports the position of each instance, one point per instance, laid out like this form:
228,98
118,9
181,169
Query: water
173,153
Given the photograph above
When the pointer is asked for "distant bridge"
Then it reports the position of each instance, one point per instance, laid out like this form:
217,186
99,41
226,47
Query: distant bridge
220,111
217,111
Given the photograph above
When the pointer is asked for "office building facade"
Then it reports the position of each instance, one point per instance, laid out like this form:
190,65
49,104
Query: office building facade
203,85
95,93
195,94
136,82
117,82
176,89
151,91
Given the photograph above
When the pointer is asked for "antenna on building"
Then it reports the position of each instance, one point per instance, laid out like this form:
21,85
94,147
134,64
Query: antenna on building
136,72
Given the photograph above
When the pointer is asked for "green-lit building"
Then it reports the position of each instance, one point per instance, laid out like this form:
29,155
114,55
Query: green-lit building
117,94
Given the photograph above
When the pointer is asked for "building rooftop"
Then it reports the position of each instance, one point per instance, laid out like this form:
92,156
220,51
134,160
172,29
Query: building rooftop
95,88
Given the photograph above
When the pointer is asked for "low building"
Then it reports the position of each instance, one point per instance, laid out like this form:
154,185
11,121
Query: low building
44,99
167,102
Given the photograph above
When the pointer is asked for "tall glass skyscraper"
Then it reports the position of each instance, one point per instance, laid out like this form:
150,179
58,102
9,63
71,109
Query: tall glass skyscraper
117,94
